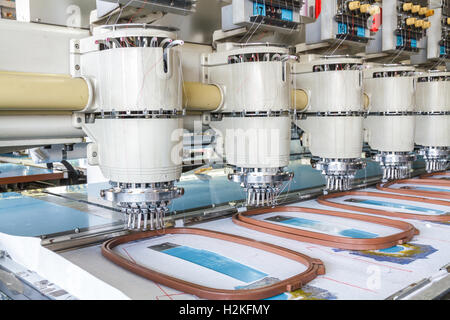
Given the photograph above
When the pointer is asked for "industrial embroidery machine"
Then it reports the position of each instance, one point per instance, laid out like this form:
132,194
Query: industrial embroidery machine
233,149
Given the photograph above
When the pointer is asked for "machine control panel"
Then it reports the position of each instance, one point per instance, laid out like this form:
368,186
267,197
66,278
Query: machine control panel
412,23
279,15
352,18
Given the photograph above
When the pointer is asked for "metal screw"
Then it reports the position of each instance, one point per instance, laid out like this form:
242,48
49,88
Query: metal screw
77,67
94,154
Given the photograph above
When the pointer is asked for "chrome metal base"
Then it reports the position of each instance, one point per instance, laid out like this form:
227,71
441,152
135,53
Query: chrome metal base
436,158
339,173
144,205
395,165
261,184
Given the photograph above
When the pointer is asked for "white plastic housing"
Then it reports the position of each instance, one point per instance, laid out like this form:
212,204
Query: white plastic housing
328,91
333,137
132,148
249,86
138,150
390,133
131,78
433,131
134,79
433,96
256,142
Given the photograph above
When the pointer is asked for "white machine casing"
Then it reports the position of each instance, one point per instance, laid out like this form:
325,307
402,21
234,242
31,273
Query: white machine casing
332,120
254,120
134,118
390,123
432,132
127,80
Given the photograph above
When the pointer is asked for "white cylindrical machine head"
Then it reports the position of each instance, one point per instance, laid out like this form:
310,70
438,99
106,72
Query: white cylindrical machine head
433,119
254,116
389,126
332,121
135,118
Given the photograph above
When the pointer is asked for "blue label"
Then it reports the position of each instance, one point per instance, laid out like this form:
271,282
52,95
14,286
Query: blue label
413,43
342,28
442,50
287,15
399,41
259,9
361,32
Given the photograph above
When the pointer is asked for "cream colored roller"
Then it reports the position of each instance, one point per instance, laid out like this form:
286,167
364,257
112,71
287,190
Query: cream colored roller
410,21
45,92
407,6
419,23
365,8
201,97
354,5
299,99
415,8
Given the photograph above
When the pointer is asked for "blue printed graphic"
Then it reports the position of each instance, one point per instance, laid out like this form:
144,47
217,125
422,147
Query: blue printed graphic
400,254
321,226
282,296
355,233
397,205
442,50
216,262
300,222
393,249
399,41
413,43
428,189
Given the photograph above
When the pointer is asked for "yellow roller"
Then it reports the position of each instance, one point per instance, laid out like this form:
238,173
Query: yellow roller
426,25
423,11
201,97
299,99
410,21
354,5
415,8
364,8
429,13
419,23
35,113
43,92
407,6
